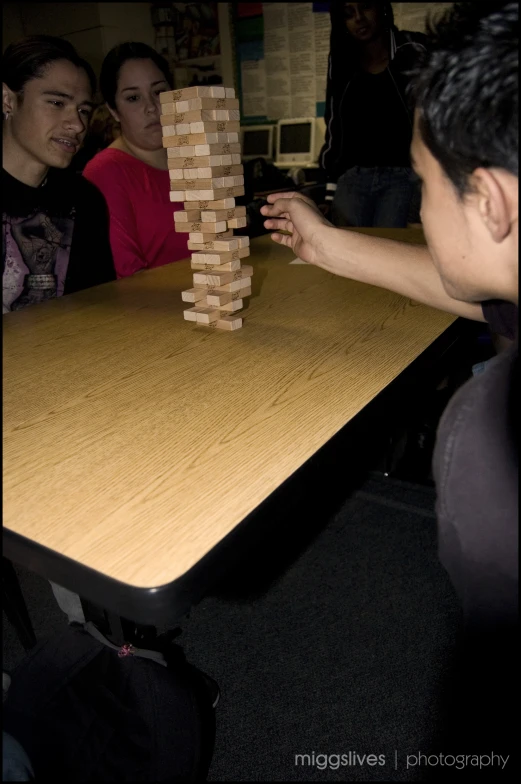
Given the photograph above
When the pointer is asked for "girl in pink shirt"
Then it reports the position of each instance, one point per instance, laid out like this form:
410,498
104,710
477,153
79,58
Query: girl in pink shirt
132,173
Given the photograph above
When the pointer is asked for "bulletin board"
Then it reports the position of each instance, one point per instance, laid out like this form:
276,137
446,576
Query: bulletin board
187,34
282,55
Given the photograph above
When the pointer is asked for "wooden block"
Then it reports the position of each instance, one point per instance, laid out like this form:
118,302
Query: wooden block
193,295
202,161
180,152
191,104
175,130
213,184
217,279
237,223
178,195
209,257
235,285
207,315
208,204
168,108
232,288
196,226
229,323
187,216
229,92
220,298
206,172
207,237
219,171
225,245
186,93
217,149
197,116
235,243
230,266
211,126
210,216
215,194
195,139
232,307
201,315
222,115
190,313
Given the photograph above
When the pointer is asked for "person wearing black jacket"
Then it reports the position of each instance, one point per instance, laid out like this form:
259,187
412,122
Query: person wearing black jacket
368,118
55,237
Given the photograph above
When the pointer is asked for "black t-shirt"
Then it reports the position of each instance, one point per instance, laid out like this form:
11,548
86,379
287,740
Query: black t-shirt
55,239
376,125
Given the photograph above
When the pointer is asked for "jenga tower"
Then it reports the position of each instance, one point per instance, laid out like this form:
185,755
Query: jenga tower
201,135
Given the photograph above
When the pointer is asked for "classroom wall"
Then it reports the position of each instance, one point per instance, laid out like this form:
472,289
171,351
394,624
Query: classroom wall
411,16
93,28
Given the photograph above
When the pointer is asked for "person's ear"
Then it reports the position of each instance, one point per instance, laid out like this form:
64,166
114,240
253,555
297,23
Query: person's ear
9,101
493,200
114,113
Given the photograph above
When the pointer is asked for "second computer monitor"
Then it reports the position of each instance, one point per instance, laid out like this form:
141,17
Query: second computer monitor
296,141
257,142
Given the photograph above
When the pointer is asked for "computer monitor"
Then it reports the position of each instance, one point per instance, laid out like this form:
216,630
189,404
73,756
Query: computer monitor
257,142
296,141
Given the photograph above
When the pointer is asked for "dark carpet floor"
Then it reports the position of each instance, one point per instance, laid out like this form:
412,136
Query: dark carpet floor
349,650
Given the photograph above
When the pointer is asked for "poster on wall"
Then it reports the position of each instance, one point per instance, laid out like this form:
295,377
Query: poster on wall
284,70
194,50
277,60
301,60
196,30
253,79
322,33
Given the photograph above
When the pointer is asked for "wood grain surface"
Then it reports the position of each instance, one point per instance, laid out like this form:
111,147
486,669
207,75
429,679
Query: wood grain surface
134,441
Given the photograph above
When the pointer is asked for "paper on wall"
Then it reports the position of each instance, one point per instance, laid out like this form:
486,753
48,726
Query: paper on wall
253,78
322,32
301,59
276,57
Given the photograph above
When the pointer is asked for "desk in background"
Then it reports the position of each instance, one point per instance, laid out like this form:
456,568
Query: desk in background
137,446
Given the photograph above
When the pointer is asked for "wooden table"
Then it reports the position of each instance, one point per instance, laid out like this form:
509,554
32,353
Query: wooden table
135,443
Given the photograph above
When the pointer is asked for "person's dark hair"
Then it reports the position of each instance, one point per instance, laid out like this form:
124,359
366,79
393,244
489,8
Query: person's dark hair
28,59
343,46
466,89
119,55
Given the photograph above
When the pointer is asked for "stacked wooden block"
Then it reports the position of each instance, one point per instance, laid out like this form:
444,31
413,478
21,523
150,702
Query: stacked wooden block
201,135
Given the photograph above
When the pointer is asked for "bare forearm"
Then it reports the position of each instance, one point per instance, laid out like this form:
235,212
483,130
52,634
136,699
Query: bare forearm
402,267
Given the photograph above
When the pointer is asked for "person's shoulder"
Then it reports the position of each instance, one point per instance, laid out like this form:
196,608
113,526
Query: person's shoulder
108,160
410,40
502,317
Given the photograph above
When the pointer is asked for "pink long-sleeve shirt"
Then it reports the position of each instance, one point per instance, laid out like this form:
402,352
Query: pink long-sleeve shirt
142,231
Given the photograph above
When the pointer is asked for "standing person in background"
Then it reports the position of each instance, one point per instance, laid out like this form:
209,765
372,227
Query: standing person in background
132,172
366,159
54,224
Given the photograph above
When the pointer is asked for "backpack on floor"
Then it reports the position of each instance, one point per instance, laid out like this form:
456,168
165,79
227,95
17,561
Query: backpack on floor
84,712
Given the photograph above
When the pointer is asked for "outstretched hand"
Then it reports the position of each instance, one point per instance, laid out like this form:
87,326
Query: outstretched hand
297,214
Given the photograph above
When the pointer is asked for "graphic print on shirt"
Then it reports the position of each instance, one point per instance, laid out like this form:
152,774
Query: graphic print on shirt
36,258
